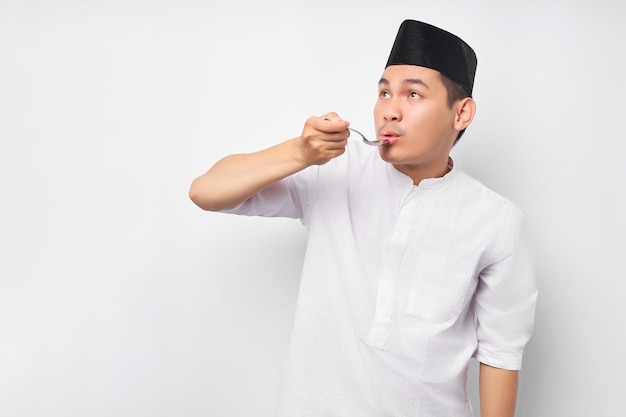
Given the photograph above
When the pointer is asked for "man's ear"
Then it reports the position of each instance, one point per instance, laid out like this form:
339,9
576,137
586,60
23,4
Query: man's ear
465,111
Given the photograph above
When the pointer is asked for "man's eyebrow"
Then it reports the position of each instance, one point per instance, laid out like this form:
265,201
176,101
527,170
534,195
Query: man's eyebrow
408,81
415,81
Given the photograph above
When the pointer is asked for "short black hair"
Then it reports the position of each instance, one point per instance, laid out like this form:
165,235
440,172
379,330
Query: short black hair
455,92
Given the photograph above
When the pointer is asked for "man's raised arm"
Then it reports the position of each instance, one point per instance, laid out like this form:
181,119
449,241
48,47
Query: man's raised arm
235,178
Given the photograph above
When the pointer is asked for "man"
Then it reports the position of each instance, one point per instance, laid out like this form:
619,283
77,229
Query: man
412,267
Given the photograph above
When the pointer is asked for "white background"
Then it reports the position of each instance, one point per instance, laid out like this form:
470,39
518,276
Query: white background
118,297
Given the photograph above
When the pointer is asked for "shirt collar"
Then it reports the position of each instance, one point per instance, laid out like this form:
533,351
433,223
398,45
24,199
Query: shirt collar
404,179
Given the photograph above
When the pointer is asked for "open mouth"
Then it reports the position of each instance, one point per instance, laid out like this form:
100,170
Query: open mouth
389,138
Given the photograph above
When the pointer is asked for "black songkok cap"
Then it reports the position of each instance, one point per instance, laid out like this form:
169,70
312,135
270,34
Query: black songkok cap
424,45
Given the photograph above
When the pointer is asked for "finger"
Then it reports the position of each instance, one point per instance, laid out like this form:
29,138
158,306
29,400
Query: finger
332,126
331,116
335,136
337,145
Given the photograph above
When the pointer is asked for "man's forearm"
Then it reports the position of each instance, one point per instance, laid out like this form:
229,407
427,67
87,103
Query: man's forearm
236,178
498,391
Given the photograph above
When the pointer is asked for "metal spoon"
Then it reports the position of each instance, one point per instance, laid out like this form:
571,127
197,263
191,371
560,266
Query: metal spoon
370,142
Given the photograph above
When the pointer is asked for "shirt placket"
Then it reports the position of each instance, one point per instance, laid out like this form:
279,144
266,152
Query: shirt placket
391,266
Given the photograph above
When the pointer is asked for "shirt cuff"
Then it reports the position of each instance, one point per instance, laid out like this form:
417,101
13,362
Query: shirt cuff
499,360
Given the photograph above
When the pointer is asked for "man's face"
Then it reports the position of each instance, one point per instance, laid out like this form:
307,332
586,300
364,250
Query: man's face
412,113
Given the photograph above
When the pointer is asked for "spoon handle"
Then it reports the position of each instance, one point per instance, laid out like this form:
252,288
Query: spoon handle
367,141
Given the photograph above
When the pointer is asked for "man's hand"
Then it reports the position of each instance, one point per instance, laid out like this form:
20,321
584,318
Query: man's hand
323,138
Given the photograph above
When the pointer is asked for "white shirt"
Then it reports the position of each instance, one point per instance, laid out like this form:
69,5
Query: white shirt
401,286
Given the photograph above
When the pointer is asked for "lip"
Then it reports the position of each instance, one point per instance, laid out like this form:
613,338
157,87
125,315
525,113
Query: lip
389,135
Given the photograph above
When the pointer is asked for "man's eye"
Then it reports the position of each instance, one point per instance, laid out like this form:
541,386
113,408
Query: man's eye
384,94
414,94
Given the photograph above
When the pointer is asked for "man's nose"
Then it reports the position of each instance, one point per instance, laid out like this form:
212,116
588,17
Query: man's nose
392,113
